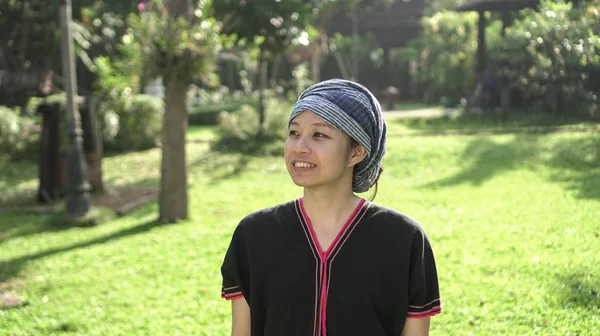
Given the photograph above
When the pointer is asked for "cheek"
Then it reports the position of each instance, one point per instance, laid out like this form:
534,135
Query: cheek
287,148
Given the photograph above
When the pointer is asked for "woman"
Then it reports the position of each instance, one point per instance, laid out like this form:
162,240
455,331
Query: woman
331,263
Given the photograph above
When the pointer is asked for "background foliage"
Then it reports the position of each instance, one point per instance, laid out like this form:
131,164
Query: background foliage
444,54
550,55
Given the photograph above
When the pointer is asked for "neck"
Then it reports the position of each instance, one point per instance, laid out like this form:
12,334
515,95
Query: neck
329,208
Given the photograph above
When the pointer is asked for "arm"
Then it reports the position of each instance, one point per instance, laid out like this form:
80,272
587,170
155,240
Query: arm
240,317
416,327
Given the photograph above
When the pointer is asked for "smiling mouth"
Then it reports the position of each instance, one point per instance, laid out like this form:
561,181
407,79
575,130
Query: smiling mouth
300,164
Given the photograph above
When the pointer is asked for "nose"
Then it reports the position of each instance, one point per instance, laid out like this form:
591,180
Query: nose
301,146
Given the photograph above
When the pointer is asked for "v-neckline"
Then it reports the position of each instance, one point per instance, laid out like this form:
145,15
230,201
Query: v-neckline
324,253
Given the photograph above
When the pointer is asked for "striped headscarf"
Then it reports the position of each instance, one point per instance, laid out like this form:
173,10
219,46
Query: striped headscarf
352,109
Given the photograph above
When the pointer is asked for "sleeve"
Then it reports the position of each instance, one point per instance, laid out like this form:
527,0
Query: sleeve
235,270
424,293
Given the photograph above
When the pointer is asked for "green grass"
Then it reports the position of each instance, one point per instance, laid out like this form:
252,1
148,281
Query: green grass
201,134
516,120
513,219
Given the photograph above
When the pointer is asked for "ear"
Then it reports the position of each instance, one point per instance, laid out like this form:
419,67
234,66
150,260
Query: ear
357,154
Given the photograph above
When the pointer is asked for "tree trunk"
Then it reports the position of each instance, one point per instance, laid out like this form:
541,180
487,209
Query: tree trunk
173,197
481,52
92,143
173,178
262,82
275,71
354,57
315,59
339,58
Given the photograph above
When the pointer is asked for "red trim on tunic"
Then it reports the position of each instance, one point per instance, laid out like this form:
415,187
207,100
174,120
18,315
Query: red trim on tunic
324,255
317,264
232,296
425,305
428,313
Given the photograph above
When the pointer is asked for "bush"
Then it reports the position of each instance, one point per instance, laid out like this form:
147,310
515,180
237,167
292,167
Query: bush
444,54
18,135
550,55
132,122
239,131
209,114
127,122
205,106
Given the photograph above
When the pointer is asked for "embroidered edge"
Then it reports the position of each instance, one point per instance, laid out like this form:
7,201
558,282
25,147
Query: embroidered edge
430,313
432,308
230,293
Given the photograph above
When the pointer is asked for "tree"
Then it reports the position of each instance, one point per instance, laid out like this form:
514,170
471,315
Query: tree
353,9
443,54
272,26
181,46
29,31
434,6
552,54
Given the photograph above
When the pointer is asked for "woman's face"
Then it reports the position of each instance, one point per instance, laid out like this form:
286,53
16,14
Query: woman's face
316,154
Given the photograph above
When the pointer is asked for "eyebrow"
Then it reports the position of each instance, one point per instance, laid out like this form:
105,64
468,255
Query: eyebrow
295,123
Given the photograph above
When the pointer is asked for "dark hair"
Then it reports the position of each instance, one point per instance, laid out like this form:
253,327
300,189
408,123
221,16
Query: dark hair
372,198
353,144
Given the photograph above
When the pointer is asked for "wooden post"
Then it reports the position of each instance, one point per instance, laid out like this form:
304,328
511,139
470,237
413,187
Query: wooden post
505,21
92,142
481,52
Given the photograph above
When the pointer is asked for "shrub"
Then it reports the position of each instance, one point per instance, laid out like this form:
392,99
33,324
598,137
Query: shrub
239,131
445,54
550,55
209,114
127,121
18,135
132,122
205,106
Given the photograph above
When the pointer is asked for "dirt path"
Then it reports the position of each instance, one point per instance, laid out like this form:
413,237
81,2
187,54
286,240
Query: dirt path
421,113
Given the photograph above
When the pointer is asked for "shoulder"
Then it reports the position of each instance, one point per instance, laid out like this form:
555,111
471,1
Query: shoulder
268,216
394,220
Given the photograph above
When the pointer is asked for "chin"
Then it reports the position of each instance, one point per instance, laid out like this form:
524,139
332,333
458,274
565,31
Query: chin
302,183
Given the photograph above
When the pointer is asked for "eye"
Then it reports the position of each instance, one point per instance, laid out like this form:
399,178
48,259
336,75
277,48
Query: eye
292,133
320,135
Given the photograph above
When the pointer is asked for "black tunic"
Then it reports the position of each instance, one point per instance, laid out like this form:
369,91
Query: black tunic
378,271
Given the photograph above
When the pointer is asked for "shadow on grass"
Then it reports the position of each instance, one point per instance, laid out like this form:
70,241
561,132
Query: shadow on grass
261,146
21,225
577,165
230,157
487,158
217,166
580,289
11,268
509,122
573,162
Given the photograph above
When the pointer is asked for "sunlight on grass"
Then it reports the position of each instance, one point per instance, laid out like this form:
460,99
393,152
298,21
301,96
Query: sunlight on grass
513,220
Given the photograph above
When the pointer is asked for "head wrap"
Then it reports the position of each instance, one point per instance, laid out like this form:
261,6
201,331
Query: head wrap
352,109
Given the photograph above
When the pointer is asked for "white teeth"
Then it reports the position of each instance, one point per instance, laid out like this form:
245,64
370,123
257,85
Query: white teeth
303,164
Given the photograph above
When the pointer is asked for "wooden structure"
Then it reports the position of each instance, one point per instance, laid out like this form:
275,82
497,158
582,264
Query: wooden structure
53,159
481,6
17,87
391,26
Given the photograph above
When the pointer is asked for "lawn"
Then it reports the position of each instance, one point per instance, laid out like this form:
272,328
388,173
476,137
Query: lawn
514,220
